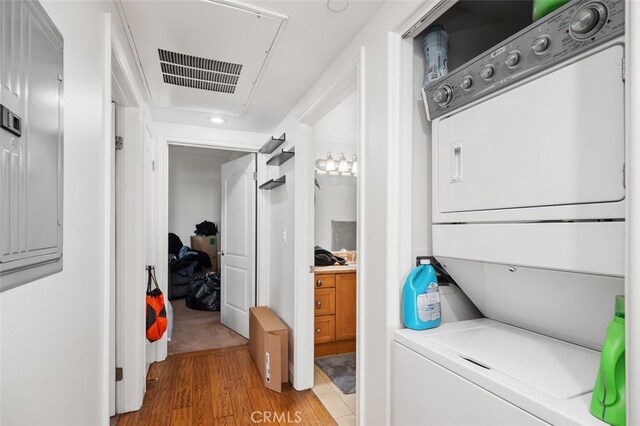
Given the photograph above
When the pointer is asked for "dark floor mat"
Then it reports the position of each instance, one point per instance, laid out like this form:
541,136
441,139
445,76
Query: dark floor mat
341,369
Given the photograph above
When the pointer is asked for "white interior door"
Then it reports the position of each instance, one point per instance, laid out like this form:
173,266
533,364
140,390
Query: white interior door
238,243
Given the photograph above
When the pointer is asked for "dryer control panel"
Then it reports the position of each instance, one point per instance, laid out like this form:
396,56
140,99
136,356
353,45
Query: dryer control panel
566,32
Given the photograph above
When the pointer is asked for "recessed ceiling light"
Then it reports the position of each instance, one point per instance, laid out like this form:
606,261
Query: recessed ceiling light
217,120
341,6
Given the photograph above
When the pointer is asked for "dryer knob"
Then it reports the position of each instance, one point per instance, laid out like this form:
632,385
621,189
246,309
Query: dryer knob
487,72
466,83
588,20
512,59
540,44
585,20
442,96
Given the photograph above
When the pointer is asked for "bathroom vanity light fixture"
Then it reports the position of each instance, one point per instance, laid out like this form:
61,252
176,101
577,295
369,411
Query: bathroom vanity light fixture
343,167
329,164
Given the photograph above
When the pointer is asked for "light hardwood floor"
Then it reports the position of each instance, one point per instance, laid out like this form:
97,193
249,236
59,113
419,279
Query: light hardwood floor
220,387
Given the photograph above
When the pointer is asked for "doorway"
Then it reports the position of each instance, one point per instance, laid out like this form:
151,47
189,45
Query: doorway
348,86
336,260
211,269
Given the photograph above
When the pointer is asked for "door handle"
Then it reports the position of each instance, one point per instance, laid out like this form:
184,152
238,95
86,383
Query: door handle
318,305
456,163
319,283
221,253
317,330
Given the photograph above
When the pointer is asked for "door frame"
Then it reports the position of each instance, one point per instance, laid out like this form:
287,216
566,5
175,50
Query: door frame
352,76
126,344
228,144
632,280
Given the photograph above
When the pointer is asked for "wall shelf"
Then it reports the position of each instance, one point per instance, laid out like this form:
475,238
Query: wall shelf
273,183
272,144
281,158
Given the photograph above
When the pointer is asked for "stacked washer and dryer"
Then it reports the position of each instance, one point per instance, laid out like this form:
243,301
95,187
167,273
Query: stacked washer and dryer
528,192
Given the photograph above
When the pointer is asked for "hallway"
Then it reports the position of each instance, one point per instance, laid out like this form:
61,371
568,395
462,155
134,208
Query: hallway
220,387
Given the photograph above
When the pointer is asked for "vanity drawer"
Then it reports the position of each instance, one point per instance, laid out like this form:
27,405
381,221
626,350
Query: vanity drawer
324,329
325,281
325,301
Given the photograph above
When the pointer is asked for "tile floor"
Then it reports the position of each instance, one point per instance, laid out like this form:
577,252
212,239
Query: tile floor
341,407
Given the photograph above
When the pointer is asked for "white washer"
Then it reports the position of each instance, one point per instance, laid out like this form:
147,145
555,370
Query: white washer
483,372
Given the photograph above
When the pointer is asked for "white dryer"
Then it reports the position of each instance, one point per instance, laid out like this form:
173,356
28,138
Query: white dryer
528,218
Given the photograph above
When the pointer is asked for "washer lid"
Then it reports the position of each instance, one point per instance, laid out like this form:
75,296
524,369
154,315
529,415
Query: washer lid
557,368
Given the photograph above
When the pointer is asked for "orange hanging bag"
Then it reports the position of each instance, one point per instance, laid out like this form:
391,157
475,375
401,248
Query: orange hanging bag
156,313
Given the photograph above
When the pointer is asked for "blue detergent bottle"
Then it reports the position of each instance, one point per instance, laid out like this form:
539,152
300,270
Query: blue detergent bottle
421,299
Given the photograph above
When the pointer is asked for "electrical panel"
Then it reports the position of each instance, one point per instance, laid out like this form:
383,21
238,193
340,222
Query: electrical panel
31,143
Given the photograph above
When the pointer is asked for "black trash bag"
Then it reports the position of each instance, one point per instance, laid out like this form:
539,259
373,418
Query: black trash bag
175,244
215,277
206,228
326,258
190,262
204,293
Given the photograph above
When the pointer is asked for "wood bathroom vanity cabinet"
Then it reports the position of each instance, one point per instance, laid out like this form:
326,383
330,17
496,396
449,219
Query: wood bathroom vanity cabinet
335,310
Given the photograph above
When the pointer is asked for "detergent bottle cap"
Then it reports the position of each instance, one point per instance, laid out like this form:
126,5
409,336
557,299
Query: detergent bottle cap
620,306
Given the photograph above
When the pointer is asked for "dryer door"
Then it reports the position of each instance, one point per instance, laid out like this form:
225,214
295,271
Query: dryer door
557,140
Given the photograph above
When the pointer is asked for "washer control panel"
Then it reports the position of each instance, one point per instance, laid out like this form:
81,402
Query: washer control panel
566,32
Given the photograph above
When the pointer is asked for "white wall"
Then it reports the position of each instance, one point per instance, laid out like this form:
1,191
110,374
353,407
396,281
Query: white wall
194,187
337,197
456,306
279,246
53,340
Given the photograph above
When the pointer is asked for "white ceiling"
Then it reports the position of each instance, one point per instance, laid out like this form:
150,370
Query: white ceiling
220,49
310,40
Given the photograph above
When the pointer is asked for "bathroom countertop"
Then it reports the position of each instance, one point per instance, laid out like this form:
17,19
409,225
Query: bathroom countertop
336,269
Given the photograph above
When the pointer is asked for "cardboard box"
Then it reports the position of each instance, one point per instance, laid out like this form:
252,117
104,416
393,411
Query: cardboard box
269,346
209,245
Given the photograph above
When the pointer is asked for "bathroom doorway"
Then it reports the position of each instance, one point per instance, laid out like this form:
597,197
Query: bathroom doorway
323,329
336,257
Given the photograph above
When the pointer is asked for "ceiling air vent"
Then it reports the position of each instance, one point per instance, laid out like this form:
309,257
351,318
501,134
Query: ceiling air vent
198,73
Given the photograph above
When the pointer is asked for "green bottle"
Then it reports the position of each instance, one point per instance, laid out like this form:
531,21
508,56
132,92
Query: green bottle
608,402
544,7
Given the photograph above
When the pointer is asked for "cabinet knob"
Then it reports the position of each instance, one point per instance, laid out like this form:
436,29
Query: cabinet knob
317,330
318,305
319,283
